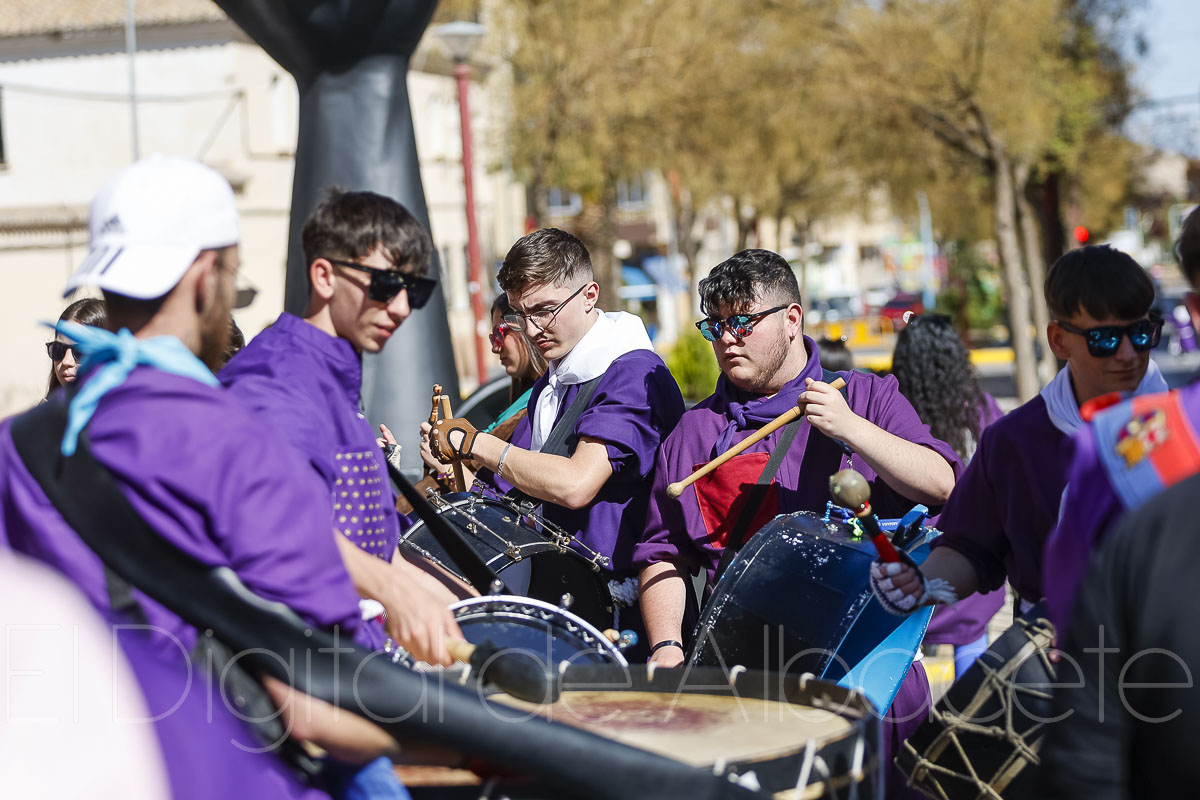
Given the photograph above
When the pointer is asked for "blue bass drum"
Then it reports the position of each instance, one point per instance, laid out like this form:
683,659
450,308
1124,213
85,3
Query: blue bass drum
795,599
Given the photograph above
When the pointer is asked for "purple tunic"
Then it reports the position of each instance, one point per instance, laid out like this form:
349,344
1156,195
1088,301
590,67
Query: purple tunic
677,530
208,751
1006,502
1091,505
198,466
308,385
967,620
636,404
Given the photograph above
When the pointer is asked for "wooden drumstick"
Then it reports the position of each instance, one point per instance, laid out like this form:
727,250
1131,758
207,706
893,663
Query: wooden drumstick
851,490
515,672
676,489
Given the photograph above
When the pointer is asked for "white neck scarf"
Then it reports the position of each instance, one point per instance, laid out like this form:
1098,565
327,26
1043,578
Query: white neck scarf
613,334
1064,409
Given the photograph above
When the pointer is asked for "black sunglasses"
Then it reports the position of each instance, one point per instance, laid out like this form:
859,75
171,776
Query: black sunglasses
740,325
1103,341
387,283
58,351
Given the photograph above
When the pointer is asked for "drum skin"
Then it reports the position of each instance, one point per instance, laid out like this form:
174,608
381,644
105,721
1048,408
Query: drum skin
528,562
795,599
768,732
982,738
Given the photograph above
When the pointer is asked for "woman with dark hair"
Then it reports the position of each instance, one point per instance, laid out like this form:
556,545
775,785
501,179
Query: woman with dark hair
935,373
64,358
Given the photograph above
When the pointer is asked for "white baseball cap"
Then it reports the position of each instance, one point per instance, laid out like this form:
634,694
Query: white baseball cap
150,221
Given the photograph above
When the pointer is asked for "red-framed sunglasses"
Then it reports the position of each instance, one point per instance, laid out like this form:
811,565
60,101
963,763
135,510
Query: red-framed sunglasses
498,334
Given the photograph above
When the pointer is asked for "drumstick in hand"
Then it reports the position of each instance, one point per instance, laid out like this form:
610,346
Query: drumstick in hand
851,490
514,672
676,489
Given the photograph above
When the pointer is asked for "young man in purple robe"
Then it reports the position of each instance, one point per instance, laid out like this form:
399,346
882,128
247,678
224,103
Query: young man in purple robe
767,365
1003,509
191,460
1129,453
596,486
367,258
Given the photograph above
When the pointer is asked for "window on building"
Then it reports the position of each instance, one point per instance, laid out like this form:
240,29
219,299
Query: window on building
633,192
562,202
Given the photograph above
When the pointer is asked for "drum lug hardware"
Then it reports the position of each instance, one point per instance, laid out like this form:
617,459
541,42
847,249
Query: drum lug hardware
566,600
497,586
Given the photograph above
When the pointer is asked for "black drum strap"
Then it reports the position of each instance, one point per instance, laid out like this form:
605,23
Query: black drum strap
737,534
559,442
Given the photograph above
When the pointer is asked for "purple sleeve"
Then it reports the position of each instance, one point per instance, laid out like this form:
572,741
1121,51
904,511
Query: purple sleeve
1089,507
890,410
971,521
636,405
666,537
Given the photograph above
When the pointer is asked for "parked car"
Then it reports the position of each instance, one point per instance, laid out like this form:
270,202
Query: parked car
901,302
833,309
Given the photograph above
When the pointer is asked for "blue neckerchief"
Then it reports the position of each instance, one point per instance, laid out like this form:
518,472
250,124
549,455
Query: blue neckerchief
113,356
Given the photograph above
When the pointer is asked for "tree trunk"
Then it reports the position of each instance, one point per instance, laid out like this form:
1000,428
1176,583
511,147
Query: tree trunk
1009,248
686,242
1036,267
1054,241
537,196
801,238
745,226
596,226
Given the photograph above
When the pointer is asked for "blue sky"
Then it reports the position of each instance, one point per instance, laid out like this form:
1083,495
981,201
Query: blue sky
1170,69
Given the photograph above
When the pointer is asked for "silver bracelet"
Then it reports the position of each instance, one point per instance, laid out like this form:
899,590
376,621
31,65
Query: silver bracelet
500,465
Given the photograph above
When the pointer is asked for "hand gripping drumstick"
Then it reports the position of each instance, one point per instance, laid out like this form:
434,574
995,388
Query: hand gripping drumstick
851,490
441,405
676,489
512,671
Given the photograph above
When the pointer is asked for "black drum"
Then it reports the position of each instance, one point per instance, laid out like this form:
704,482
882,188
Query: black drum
548,633
775,736
983,736
531,557
796,599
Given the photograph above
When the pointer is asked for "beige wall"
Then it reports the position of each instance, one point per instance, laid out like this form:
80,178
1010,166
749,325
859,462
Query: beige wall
223,100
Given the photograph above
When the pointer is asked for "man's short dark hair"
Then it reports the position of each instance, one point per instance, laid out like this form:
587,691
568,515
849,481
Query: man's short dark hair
349,225
746,278
545,257
1100,280
1188,247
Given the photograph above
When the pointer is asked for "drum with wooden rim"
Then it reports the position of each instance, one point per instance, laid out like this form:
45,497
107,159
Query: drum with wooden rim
782,736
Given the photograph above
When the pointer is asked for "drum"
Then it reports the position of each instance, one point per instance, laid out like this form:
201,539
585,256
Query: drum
533,558
794,736
549,633
982,737
795,599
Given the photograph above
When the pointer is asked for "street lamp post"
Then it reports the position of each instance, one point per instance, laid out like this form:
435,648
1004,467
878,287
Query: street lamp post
460,39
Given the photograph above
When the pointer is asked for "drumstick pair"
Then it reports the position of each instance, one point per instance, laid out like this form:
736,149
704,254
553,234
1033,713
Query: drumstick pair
795,412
